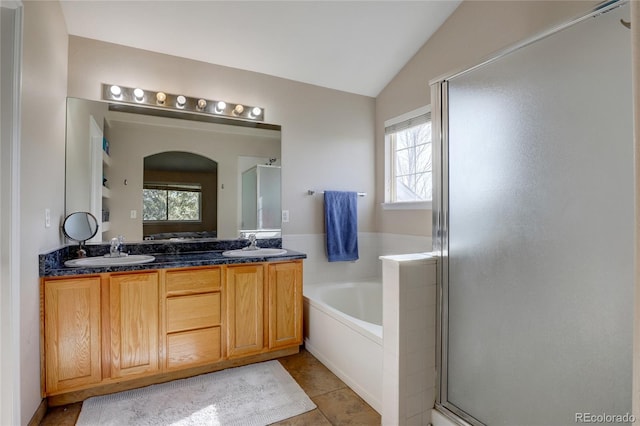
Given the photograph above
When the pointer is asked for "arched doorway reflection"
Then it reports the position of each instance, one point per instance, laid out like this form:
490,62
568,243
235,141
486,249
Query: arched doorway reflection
180,198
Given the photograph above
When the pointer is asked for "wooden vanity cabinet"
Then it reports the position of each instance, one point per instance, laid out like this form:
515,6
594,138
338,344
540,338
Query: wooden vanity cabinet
285,304
245,291
264,311
193,319
109,332
134,323
72,336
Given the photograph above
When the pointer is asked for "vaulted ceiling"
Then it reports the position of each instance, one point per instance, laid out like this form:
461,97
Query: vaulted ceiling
353,46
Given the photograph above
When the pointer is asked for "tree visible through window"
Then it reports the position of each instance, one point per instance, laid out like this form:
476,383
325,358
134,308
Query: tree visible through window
410,160
171,202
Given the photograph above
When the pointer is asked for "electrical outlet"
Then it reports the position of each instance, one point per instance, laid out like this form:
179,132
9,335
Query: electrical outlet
134,214
285,216
47,218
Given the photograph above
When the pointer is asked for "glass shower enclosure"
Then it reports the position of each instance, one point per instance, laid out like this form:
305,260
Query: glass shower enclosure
261,199
533,217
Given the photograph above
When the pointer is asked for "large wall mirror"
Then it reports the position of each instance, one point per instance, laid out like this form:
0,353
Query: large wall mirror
146,176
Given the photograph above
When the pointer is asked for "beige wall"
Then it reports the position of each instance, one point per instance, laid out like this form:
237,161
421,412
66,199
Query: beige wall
327,135
44,90
474,31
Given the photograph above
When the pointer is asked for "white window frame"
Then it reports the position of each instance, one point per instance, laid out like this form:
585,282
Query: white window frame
388,166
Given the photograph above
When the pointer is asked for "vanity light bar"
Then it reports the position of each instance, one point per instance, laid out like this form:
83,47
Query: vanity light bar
137,96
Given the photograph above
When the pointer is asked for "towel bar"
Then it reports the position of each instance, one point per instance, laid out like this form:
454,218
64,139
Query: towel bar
312,192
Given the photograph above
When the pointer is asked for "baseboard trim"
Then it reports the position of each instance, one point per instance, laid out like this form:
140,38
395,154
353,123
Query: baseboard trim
38,416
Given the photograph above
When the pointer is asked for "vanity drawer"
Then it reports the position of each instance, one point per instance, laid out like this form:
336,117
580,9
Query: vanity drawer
193,347
193,281
195,311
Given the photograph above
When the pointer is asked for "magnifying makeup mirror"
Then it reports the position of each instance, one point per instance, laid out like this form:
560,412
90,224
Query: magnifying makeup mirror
80,227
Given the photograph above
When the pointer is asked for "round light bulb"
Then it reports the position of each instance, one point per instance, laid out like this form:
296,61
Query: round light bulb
181,100
138,94
202,104
116,91
161,97
239,109
220,106
255,111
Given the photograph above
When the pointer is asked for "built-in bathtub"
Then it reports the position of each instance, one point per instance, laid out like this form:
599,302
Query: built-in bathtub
343,329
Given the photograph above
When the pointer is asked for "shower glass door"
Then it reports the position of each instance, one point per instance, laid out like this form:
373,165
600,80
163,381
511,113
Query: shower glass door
536,227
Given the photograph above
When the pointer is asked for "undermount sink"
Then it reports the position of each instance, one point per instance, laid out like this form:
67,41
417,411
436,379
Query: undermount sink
261,252
109,261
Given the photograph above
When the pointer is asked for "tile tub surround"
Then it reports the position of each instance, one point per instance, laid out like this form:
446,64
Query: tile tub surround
372,245
409,331
169,254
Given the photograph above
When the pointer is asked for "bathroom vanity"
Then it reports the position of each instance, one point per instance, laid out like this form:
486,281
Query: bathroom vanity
109,329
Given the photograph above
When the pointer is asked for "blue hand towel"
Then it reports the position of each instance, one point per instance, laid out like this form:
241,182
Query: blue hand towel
341,222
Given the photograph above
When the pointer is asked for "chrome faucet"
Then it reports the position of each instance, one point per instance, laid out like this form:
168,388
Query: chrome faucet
252,243
116,246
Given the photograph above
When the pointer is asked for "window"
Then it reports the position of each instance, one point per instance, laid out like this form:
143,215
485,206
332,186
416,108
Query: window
408,174
171,202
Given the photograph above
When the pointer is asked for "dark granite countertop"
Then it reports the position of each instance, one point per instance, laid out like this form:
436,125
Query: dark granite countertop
167,255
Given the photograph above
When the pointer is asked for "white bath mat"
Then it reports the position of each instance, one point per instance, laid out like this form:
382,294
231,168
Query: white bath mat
256,394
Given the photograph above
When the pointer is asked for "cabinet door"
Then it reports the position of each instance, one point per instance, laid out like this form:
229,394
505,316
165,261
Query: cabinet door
285,304
72,333
245,309
134,324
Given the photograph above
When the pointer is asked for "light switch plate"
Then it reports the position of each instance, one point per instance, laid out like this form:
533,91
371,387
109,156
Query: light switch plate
285,215
47,218
134,214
